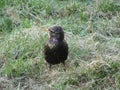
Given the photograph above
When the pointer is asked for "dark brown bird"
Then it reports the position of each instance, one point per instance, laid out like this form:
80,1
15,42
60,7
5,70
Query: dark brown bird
56,49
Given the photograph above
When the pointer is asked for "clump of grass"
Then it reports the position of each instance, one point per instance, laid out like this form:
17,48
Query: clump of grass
72,8
18,64
109,5
3,3
99,69
115,66
26,23
110,77
6,24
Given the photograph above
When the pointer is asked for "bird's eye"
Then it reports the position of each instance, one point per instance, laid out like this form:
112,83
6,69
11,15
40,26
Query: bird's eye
54,32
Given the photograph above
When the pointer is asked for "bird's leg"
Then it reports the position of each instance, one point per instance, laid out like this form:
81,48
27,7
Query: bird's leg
50,67
64,66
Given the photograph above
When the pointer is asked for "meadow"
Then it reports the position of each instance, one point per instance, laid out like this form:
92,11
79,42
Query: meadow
92,31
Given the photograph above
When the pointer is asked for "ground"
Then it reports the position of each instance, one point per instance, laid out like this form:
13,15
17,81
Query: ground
92,30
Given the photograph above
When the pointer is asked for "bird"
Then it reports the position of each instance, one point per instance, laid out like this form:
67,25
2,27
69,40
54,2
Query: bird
56,48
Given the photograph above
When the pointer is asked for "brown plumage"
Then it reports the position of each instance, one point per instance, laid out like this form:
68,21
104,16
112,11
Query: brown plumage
56,48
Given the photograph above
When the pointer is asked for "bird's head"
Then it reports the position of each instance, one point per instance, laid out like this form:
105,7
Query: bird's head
56,32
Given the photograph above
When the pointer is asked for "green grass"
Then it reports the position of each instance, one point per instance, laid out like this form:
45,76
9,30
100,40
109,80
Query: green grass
92,30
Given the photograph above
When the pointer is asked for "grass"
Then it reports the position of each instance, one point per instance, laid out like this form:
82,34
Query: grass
92,30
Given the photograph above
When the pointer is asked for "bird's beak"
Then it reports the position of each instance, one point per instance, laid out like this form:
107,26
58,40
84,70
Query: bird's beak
45,29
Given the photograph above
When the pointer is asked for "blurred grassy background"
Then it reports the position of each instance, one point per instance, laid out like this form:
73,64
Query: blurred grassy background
92,29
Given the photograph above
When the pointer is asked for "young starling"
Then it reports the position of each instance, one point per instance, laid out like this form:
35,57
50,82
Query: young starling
56,49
